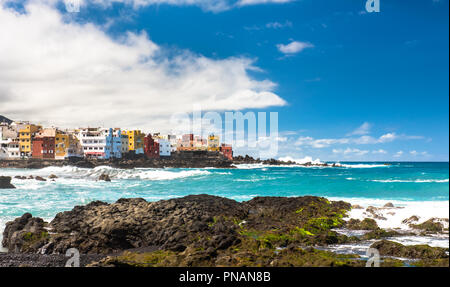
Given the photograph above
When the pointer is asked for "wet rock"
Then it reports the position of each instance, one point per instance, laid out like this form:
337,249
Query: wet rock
389,205
39,178
20,177
390,248
365,224
104,177
411,219
375,213
432,225
379,233
25,234
196,222
52,176
5,182
356,206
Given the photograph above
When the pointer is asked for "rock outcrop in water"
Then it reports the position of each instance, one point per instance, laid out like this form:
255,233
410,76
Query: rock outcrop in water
5,182
197,230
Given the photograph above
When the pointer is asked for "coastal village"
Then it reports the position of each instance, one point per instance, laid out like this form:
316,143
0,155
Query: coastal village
25,140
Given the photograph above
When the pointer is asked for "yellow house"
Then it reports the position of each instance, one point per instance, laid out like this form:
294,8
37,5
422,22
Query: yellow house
61,145
213,143
135,141
26,138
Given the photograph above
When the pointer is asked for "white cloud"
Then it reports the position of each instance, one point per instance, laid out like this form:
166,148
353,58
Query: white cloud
362,130
387,138
398,154
207,5
294,47
351,151
255,2
74,74
319,143
278,25
380,151
416,153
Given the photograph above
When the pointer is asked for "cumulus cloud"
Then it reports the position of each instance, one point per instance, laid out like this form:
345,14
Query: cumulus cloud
294,47
398,154
75,74
207,5
361,130
350,151
379,151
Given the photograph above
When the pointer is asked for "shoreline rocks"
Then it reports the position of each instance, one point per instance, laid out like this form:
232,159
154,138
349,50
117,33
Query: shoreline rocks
194,226
194,159
204,230
5,182
390,248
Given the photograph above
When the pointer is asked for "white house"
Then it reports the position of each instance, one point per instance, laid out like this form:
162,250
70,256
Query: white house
100,143
164,147
9,147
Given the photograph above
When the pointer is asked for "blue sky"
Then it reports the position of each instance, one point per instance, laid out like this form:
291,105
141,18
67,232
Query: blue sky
347,79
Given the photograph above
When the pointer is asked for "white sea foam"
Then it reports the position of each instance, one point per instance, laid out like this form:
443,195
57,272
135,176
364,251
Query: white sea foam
304,160
402,210
415,181
361,165
67,172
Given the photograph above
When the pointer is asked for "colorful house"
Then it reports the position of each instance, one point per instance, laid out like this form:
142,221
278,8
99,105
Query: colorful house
213,143
135,141
26,134
43,148
151,147
227,151
67,145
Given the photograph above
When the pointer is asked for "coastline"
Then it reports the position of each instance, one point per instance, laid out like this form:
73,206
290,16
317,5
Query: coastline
177,160
205,230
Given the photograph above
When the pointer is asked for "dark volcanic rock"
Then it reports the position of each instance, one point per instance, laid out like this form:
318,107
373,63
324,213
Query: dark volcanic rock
39,178
432,225
366,224
24,234
5,182
390,248
195,222
104,177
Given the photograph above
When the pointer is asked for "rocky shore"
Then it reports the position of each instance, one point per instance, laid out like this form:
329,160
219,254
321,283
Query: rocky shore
203,230
177,160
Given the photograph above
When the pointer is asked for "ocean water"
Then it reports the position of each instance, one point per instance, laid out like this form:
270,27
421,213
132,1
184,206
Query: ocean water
420,189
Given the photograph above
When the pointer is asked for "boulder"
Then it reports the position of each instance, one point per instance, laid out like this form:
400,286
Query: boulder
40,178
5,182
432,225
365,224
389,205
25,234
411,219
390,248
52,176
104,177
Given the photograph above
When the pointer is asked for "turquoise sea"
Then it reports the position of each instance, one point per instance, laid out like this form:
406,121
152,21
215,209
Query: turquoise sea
417,188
